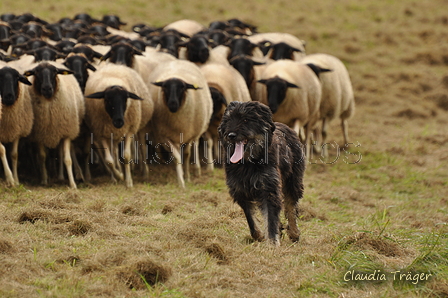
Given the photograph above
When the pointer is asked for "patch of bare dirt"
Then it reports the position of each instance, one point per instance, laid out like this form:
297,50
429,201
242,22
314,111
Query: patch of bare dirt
411,114
426,58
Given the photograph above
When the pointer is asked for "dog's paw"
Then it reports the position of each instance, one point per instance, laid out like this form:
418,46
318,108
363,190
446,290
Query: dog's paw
294,234
257,236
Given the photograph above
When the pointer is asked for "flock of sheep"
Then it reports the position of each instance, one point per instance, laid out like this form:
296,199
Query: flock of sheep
81,81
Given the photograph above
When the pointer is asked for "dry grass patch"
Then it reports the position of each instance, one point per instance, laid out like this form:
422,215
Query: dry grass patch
144,273
5,246
381,245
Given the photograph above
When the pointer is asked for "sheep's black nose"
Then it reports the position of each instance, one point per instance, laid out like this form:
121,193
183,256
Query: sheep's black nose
118,123
232,135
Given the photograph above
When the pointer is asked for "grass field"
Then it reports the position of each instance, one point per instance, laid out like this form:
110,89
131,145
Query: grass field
378,212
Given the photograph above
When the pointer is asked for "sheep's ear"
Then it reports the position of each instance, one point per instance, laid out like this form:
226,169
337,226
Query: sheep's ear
291,85
158,83
258,63
29,73
183,43
190,86
64,71
262,81
97,54
24,80
136,51
106,56
296,50
96,95
91,67
134,96
317,70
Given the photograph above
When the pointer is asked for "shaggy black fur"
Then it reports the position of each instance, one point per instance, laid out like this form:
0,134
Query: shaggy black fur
270,172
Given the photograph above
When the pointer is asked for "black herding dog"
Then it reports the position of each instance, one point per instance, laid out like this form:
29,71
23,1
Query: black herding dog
264,165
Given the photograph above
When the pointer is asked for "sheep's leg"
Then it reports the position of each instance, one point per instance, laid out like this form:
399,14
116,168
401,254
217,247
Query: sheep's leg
344,124
110,161
61,163
127,160
324,137
307,142
179,171
197,163
211,163
42,160
87,151
15,159
186,152
209,157
216,151
67,144
304,135
103,161
296,127
117,162
8,173
142,155
78,171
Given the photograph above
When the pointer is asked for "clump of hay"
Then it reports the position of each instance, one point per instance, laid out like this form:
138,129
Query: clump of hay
70,260
438,287
33,216
79,227
168,208
216,251
51,216
143,273
442,102
381,245
130,210
307,213
5,246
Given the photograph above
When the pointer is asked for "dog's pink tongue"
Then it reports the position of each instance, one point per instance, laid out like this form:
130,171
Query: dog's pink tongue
238,154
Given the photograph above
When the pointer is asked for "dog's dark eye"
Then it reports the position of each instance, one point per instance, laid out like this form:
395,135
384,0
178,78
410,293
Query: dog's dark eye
244,120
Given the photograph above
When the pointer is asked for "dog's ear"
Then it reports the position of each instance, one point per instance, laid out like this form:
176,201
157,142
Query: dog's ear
232,106
265,113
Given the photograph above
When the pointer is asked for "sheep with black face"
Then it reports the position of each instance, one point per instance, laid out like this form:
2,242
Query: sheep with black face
226,85
118,105
293,93
338,100
17,118
58,106
183,107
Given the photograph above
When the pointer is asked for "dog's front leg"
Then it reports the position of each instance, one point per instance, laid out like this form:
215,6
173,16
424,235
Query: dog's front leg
271,208
248,209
